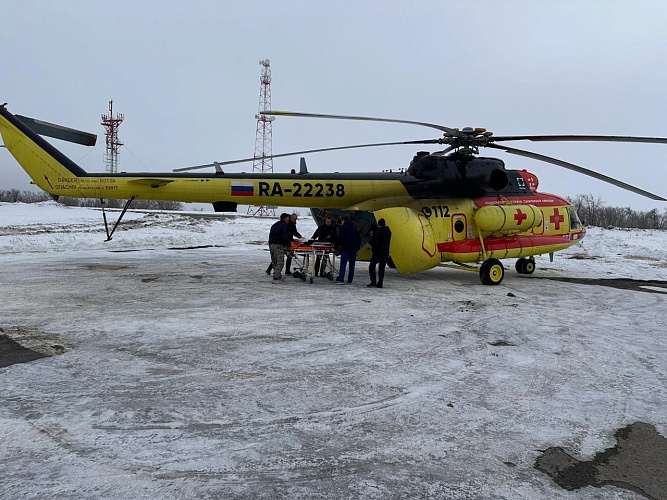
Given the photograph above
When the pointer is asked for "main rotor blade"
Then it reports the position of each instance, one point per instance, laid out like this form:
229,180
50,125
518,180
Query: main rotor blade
360,118
295,153
577,168
603,138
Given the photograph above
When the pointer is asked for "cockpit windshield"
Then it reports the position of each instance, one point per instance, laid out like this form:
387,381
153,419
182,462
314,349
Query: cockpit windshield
575,223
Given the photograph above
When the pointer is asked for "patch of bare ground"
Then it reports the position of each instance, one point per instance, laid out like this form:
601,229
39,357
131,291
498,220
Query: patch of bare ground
638,463
20,344
640,257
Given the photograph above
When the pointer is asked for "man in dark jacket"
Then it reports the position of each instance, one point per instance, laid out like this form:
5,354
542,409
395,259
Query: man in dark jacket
349,241
380,240
293,233
279,239
326,233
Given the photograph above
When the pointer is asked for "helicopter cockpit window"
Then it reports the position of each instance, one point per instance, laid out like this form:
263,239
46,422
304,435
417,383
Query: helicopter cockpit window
575,223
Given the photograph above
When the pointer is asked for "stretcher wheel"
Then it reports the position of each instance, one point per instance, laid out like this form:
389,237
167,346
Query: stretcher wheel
296,274
303,277
311,280
330,276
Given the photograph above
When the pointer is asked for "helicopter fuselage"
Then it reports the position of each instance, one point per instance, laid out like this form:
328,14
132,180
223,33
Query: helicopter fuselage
455,207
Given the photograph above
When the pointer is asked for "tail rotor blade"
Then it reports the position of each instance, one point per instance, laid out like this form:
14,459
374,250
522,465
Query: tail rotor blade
58,131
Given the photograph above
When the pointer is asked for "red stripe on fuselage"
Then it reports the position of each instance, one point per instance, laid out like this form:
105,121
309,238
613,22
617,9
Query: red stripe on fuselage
504,243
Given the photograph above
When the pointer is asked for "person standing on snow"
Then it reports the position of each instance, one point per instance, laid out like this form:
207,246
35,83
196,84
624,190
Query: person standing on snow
325,233
380,240
279,239
293,233
349,240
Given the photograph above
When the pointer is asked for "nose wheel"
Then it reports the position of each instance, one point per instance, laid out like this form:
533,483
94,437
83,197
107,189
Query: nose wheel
525,266
491,272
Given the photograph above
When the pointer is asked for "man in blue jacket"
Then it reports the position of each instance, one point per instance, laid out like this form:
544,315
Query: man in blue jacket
279,239
349,240
380,240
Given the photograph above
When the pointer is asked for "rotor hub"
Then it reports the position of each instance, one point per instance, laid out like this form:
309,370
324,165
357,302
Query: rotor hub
467,140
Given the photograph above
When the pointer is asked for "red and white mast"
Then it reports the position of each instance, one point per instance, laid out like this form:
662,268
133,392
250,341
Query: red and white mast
111,125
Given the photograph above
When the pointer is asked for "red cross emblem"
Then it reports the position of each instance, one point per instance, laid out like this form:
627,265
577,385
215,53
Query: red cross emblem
556,219
519,217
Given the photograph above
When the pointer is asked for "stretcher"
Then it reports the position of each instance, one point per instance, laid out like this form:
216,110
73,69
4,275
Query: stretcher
305,254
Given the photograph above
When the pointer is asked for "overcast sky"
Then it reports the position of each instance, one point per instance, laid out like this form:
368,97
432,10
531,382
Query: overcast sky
186,76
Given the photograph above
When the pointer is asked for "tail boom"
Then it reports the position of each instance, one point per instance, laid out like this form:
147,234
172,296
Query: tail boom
58,175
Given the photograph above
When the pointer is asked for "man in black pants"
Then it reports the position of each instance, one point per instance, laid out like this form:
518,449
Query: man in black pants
278,241
380,240
327,233
293,233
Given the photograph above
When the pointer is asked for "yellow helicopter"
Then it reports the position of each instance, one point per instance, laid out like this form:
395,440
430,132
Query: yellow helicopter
451,206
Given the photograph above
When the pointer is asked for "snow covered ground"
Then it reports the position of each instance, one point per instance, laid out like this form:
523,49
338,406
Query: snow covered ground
187,374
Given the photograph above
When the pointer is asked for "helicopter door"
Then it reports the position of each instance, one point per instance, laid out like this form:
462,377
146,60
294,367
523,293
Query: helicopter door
459,227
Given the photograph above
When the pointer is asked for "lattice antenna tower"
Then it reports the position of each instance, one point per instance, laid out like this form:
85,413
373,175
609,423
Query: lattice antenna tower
263,137
111,124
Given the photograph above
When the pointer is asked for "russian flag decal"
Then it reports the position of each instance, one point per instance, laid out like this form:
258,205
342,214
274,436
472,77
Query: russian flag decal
241,188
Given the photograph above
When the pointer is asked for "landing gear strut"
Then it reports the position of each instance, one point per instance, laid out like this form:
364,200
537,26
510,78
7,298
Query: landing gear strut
491,272
104,216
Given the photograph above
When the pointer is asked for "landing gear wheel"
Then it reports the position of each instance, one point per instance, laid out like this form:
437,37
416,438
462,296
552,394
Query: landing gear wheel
491,272
529,266
525,266
519,265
